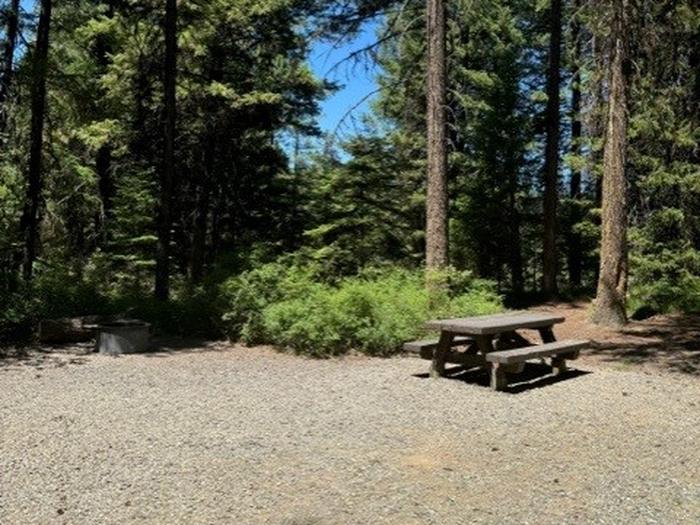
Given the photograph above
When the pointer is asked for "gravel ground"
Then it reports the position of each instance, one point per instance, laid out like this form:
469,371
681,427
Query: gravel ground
228,435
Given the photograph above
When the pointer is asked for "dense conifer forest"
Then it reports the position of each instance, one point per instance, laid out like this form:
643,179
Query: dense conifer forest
516,151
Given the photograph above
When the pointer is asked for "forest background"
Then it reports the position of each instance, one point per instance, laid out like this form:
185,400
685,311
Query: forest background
164,160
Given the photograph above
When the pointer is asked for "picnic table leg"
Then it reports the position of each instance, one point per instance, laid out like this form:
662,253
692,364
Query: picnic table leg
485,343
499,381
498,372
547,335
559,365
559,361
437,367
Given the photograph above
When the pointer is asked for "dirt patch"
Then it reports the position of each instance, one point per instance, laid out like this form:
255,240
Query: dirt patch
663,343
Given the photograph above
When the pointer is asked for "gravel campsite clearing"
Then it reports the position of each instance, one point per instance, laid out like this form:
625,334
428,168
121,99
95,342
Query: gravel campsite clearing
226,434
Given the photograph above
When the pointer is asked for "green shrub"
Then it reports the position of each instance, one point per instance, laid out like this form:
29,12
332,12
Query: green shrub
55,292
374,312
664,265
61,293
187,313
246,296
18,316
666,281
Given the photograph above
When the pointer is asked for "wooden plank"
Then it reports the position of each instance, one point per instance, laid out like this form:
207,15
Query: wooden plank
522,354
494,324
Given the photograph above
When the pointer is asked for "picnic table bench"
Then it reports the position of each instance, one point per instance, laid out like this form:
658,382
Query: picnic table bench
492,342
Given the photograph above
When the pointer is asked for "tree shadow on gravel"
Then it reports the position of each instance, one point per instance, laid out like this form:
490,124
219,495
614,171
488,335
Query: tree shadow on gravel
168,346
58,355
39,359
669,342
533,376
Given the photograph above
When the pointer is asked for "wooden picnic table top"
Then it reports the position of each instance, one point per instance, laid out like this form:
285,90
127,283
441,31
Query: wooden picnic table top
495,324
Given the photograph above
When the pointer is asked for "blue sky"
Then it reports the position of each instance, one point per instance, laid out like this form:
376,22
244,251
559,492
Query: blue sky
356,80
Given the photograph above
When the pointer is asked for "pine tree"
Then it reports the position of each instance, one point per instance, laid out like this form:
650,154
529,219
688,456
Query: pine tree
610,299
551,165
8,59
167,179
436,237
30,218
573,238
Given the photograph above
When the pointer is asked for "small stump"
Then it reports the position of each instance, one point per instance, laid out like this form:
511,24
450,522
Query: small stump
123,337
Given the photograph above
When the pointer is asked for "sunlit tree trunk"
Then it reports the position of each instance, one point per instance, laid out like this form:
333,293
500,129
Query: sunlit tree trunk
30,217
609,308
162,284
551,165
436,238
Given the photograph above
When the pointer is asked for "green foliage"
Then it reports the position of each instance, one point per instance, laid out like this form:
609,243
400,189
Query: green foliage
189,313
56,292
248,295
665,266
245,87
17,316
365,211
61,292
373,312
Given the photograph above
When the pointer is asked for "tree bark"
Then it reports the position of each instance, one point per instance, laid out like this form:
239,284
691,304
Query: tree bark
574,239
551,164
201,219
8,60
515,256
162,281
30,217
436,237
103,158
609,308
103,170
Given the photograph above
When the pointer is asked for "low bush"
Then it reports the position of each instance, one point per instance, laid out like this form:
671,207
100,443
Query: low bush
60,293
52,294
666,281
290,303
374,312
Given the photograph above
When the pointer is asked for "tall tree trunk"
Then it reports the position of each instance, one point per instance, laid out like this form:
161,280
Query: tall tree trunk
695,65
103,158
105,185
201,219
551,164
8,59
514,250
609,308
200,233
436,237
574,239
30,218
206,180
162,284
515,256
219,203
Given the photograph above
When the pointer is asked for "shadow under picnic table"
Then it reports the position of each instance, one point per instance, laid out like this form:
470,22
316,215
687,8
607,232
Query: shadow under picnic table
534,375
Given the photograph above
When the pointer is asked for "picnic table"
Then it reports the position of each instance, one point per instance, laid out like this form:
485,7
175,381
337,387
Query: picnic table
493,342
